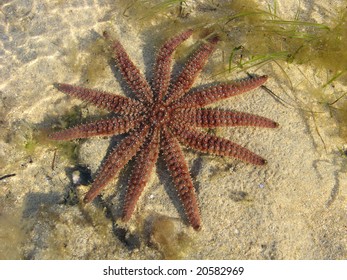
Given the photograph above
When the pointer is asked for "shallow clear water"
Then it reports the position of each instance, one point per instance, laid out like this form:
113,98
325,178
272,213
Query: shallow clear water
294,208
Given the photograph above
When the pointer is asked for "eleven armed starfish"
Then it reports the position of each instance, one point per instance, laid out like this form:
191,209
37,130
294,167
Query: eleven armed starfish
165,114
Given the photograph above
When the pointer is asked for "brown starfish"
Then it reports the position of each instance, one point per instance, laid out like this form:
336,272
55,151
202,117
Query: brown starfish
165,114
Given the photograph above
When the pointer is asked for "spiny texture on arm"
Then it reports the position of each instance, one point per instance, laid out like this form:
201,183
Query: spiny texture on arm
145,161
218,118
191,69
131,73
215,145
162,69
115,103
209,95
104,127
179,171
118,158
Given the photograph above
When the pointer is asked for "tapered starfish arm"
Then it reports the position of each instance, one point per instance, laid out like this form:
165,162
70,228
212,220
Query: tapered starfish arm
215,145
162,68
218,92
216,118
115,103
113,126
191,69
117,159
131,73
145,161
178,168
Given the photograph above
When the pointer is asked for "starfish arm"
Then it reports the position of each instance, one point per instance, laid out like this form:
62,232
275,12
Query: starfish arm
217,118
178,168
145,161
162,68
191,69
117,159
115,103
218,92
131,73
113,126
215,145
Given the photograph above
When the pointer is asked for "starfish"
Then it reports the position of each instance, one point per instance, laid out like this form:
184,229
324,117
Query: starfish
164,114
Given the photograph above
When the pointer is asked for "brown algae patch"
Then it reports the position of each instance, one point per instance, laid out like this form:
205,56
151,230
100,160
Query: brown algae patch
90,62
169,238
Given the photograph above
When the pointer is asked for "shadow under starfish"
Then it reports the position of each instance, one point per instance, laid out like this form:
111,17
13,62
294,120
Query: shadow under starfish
165,114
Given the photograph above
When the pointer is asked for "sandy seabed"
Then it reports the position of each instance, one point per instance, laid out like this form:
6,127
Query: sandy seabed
293,208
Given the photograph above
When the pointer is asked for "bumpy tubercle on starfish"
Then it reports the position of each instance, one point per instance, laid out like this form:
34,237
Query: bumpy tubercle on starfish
164,114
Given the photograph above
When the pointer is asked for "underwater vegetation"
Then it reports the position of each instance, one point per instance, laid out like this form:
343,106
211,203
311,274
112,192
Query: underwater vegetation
260,35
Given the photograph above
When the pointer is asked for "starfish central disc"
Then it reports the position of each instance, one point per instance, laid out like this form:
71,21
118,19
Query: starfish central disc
159,114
